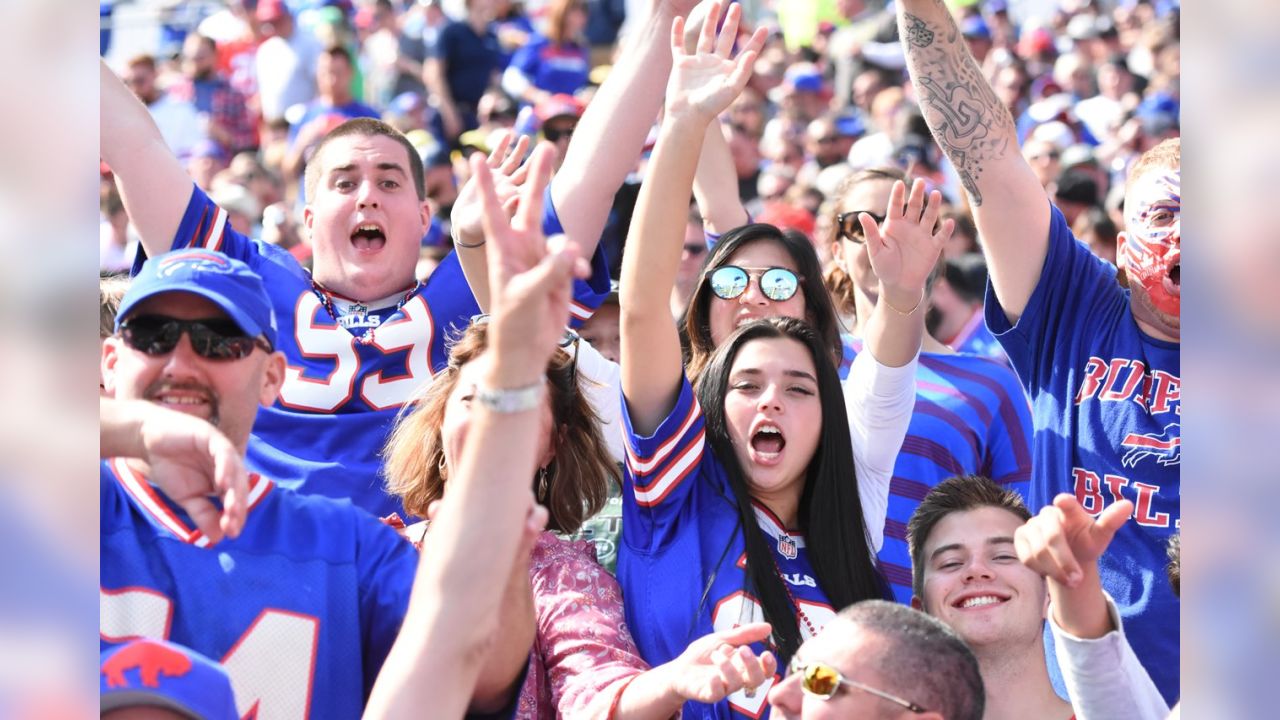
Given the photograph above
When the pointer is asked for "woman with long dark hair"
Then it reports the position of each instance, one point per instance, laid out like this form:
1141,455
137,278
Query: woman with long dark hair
741,499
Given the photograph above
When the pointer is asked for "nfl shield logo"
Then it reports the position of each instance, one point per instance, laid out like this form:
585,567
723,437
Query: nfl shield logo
787,547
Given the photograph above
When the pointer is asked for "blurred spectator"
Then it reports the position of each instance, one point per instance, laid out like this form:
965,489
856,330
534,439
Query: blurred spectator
745,149
460,68
285,61
1104,112
555,63
827,143
558,117
1045,160
1095,228
178,120
226,115
964,238
207,160
1075,191
748,112
512,25
243,210
977,33
392,59
876,149
117,241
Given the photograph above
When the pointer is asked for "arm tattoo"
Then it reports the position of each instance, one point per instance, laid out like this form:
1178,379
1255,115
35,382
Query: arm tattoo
968,121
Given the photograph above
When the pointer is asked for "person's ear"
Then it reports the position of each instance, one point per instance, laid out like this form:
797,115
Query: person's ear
1122,258
837,253
107,366
272,379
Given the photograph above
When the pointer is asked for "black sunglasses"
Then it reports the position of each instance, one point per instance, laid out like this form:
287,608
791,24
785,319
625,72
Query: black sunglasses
849,228
555,134
824,681
213,338
776,283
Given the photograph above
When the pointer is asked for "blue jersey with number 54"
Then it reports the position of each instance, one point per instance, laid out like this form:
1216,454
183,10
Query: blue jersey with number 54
340,396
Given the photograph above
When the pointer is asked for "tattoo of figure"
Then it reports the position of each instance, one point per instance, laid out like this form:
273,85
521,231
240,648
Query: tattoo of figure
918,32
968,121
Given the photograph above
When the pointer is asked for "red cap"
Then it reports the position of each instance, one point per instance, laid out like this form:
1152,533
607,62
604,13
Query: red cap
559,105
788,217
269,10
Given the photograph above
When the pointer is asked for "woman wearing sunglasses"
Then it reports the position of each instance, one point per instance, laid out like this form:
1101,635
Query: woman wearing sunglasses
971,415
583,663
741,498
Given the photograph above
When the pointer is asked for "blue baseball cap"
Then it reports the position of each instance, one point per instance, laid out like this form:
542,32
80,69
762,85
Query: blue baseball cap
155,673
223,280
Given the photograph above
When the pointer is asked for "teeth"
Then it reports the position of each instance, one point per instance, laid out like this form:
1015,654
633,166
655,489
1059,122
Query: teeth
980,601
183,401
769,430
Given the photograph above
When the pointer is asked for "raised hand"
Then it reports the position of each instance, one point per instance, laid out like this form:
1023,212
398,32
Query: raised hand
1063,537
529,275
719,664
904,249
510,170
704,82
191,460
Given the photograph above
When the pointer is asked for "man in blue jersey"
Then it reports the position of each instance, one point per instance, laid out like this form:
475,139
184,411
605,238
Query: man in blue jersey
303,601
1099,358
359,333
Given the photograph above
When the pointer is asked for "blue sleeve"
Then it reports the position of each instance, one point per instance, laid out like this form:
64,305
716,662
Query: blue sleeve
589,293
656,486
387,565
452,305
205,225
1008,460
527,58
1074,289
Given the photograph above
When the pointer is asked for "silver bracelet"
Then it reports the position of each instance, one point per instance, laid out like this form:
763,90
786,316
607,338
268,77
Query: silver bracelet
514,400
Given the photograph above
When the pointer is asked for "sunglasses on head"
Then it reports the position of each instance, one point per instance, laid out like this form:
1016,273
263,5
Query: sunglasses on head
776,283
849,228
213,338
824,681
570,339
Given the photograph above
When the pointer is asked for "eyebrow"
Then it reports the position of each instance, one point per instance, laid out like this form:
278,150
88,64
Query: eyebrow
789,373
999,540
349,167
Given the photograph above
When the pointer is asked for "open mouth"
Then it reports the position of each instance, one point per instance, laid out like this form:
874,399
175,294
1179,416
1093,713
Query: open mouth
190,400
767,443
1173,280
979,601
368,237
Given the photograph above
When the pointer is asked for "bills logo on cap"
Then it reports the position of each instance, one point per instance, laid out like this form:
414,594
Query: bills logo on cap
195,260
151,659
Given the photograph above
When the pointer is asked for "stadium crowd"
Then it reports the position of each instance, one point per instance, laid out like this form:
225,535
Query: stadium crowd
805,358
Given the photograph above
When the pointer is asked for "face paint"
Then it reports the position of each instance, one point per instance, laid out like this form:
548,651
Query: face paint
1153,252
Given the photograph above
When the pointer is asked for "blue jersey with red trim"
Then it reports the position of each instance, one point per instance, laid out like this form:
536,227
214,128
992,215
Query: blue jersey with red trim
341,395
553,68
1106,406
682,560
970,417
301,608
976,338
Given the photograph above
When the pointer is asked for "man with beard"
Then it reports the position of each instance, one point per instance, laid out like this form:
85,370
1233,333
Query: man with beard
1097,350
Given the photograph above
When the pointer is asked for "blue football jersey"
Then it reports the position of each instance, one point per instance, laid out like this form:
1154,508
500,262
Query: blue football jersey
301,608
1106,406
682,561
976,338
970,417
341,394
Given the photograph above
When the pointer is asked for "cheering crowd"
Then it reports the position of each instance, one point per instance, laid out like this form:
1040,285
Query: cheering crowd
815,360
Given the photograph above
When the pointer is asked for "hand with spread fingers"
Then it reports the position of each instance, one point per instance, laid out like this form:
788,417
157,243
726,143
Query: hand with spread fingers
529,275
704,82
904,249
722,663
510,169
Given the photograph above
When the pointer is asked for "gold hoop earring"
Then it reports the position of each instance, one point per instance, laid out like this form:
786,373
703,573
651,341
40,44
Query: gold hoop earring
542,483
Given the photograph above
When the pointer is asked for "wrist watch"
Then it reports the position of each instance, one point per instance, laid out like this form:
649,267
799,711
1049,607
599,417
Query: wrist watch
515,400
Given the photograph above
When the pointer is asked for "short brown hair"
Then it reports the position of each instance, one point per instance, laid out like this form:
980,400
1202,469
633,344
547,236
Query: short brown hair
955,494
365,127
577,479
111,288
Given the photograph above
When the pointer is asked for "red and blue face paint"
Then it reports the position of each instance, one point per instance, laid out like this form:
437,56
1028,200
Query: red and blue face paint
1152,257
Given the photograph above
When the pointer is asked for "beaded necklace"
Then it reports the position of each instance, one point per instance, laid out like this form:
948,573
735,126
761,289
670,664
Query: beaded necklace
786,586
326,299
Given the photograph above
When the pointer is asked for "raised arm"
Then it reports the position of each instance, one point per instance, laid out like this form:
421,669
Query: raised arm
154,185
715,186
452,617
701,85
977,134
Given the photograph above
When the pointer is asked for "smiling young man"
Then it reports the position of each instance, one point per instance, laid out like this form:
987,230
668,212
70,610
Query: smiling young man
967,574
1097,351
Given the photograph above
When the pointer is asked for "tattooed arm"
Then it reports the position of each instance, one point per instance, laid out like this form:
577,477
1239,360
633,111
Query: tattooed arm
977,133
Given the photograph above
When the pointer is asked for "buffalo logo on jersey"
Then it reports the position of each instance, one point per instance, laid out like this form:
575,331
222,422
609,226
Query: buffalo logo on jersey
150,659
1165,447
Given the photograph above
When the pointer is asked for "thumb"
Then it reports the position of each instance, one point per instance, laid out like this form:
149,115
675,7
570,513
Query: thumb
1111,520
205,515
746,634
